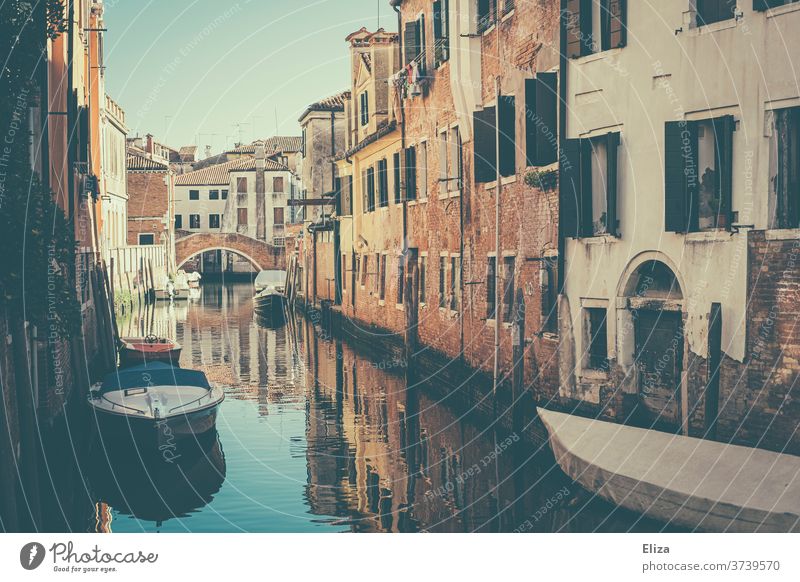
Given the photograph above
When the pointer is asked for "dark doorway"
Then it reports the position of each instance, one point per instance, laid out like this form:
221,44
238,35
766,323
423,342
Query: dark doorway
659,363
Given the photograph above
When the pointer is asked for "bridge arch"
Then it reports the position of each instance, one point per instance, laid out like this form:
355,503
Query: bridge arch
260,254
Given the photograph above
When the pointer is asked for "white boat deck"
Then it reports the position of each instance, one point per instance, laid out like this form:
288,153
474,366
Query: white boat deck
166,400
692,482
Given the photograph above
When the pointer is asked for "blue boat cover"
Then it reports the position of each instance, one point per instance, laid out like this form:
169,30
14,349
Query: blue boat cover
153,374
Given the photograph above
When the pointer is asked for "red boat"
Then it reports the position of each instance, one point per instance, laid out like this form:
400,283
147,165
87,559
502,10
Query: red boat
136,351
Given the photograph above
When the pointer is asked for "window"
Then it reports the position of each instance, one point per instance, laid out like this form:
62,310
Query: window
508,288
596,335
423,268
277,184
178,221
443,282
224,194
194,194
441,32
213,194
147,238
278,216
711,11
698,174
370,189
541,119
422,170
491,288
487,14
401,271
588,186
364,265
383,183
397,173
241,185
785,177
194,221
586,21
455,283
414,42
364,108
485,138
382,278
241,216
213,221
443,168
411,173
455,162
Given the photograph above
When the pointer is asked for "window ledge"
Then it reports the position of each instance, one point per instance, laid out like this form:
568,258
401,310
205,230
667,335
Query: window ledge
399,306
713,27
716,235
600,239
412,202
381,302
778,10
508,15
504,180
490,29
423,200
783,234
592,374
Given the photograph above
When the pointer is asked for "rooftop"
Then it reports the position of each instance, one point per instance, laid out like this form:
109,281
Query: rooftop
139,162
217,175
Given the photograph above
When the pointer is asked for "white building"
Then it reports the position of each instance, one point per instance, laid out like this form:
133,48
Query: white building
681,127
115,201
224,198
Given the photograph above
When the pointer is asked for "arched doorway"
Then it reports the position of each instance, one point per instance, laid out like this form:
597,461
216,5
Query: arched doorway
655,309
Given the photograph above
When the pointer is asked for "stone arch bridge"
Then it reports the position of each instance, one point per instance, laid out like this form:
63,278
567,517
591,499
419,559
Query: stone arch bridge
262,255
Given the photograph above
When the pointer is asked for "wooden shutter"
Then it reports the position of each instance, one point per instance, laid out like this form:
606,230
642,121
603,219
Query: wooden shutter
585,209
570,191
437,33
723,129
484,145
508,141
676,209
541,115
397,177
762,5
421,51
411,173
612,149
411,40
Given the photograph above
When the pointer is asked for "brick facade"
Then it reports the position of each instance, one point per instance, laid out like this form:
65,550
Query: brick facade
148,204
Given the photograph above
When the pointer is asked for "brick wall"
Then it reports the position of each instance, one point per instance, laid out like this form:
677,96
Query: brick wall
148,202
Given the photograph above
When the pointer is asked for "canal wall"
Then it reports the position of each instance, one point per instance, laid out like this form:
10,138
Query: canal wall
451,380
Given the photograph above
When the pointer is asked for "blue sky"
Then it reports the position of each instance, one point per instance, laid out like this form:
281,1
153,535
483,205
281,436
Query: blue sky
189,71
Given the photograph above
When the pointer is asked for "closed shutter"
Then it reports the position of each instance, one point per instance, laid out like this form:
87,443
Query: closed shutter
570,192
437,33
364,196
508,142
541,115
762,5
723,128
397,178
411,173
612,149
422,50
675,179
411,41
484,145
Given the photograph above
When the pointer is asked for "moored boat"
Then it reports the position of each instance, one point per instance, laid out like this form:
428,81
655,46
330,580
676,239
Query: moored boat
696,483
269,301
155,404
135,351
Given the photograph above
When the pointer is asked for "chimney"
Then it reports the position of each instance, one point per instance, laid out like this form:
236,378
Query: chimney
261,162
149,147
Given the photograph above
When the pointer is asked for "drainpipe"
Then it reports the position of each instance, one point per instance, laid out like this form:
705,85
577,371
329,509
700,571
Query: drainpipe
562,134
71,112
395,4
497,193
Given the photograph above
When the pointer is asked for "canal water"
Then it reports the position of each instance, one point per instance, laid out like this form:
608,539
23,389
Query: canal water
315,437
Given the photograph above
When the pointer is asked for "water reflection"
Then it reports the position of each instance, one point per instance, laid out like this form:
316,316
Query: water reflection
320,438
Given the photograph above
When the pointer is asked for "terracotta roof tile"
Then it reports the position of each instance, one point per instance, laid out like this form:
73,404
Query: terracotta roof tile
137,162
217,175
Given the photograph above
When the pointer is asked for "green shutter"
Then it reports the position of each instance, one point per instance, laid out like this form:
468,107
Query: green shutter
541,119
723,129
484,145
508,141
676,210
612,150
570,191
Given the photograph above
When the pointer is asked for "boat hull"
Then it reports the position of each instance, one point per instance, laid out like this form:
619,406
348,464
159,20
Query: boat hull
129,357
695,483
270,307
